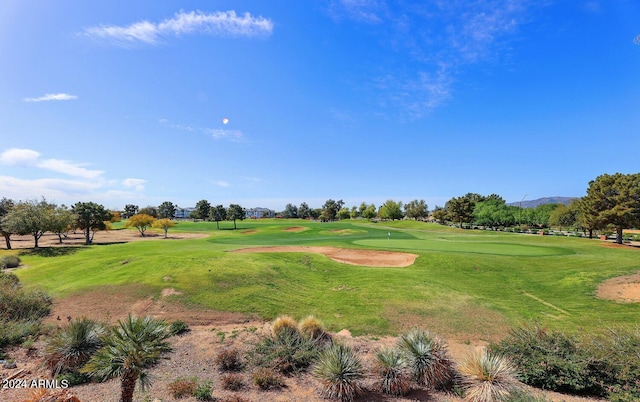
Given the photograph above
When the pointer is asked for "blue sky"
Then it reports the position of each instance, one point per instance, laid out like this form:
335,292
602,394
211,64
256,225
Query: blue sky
361,100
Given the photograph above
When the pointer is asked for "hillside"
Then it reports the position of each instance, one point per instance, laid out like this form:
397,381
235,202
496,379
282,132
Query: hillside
542,201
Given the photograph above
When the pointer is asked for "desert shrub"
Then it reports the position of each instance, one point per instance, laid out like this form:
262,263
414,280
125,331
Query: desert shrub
487,377
548,360
51,395
178,327
229,360
232,382
312,327
72,346
234,398
428,359
203,391
285,326
393,370
18,304
267,378
74,378
13,332
520,395
183,387
606,363
287,353
340,371
9,261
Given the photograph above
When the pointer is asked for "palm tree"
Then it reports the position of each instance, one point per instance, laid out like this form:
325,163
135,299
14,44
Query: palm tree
132,346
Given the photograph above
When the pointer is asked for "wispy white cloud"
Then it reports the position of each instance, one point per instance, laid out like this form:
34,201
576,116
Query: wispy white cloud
233,135
137,184
221,23
52,97
435,38
29,157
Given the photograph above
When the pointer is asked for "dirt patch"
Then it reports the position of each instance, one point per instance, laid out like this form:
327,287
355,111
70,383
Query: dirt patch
367,258
166,292
250,231
295,229
624,289
101,237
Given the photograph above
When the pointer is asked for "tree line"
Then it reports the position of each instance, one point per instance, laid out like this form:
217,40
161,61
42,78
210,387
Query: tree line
612,203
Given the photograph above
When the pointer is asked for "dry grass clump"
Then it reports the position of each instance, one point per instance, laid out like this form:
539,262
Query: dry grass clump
487,377
284,326
229,360
51,395
232,382
393,370
183,387
267,378
312,327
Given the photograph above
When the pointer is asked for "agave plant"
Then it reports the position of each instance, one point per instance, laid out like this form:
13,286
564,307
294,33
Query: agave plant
340,371
392,367
73,345
428,358
487,377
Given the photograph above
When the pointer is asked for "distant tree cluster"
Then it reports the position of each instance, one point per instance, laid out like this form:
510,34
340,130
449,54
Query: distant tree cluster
35,218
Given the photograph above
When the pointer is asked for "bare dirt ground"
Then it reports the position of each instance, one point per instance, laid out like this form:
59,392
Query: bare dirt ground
101,237
211,331
624,289
367,258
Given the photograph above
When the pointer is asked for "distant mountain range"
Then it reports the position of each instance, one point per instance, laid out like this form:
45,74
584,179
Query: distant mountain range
544,200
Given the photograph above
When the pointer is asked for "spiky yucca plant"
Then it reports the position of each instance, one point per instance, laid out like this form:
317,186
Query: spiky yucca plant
72,346
487,377
428,358
340,371
393,369
284,326
312,327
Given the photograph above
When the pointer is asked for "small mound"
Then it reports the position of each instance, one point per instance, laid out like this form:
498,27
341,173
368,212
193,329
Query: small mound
295,229
366,258
624,289
170,292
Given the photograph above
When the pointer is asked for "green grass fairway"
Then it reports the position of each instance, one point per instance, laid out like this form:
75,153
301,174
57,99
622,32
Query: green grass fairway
464,283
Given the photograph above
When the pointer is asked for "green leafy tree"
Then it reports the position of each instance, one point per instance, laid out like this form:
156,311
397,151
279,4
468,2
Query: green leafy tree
203,207
290,211
369,212
149,210
391,210
439,214
129,211
30,218
90,217
416,209
494,212
304,211
166,210
164,224
344,213
354,213
315,213
5,206
130,349
61,221
217,214
615,200
564,216
460,210
235,212
142,222
330,210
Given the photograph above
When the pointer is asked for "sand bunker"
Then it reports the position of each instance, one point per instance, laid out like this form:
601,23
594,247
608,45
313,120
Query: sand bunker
625,289
367,258
295,229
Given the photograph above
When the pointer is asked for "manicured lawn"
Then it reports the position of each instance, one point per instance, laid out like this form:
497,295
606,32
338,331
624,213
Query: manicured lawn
464,283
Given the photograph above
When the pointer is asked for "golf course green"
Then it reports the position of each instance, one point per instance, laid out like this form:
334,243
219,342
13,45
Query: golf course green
463,283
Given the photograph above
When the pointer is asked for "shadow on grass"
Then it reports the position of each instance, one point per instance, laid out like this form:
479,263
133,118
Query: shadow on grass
50,251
